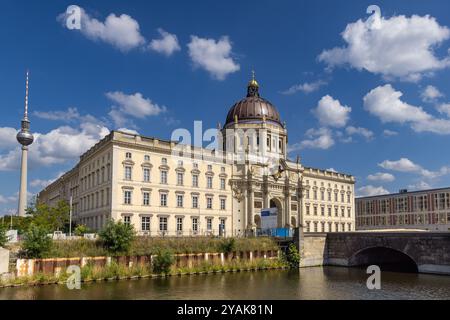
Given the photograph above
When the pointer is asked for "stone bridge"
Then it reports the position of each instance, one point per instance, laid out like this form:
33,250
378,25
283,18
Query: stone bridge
425,252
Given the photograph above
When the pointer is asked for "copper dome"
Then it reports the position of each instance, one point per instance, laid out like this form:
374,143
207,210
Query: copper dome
253,108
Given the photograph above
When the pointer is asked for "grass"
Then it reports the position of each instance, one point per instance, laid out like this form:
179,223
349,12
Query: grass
147,245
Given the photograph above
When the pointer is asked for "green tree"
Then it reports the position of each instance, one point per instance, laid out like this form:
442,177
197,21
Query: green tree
51,218
81,229
163,262
228,245
3,237
292,256
117,237
36,243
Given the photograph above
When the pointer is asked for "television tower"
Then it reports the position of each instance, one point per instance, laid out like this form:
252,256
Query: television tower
25,138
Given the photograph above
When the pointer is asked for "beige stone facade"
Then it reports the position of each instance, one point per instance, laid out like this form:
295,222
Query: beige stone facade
425,210
167,188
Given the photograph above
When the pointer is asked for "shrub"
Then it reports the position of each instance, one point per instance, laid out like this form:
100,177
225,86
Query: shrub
81,229
36,243
163,262
228,245
3,237
292,256
117,237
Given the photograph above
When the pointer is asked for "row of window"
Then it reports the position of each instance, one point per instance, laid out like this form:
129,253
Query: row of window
322,196
163,197
419,203
404,219
180,178
95,200
329,211
96,178
316,226
163,223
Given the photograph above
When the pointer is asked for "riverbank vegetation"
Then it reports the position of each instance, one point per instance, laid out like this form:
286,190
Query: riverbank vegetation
116,271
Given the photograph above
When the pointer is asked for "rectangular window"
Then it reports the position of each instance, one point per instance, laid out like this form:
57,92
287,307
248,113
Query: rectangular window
195,225
342,197
194,201
209,224
180,179
335,211
222,204
329,211
342,212
329,195
179,224
127,220
195,180
322,211
209,203
163,224
163,177
146,175
307,210
179,201
322,195
127,197
315,194
127,173
349,212
307,194
222,227
222,184
146,198
163,198
315,211
209,182
145,223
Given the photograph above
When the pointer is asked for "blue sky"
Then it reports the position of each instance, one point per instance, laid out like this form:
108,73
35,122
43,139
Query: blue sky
366,96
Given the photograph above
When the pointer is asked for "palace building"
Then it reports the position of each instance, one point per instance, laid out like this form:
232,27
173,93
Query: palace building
425,210
167,188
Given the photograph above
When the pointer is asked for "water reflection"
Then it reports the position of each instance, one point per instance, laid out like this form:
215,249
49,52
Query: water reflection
308,283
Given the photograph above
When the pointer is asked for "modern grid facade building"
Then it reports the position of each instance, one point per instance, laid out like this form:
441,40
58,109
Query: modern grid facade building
165,188
425,210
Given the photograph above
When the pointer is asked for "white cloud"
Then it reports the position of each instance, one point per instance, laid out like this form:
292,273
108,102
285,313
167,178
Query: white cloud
381,176
331,113
67,116
57,146
213,56
369,190
317,139
8,138
306,87
7,199
331,170
167,45
406,165
121,31
130,131
421,185
389,133
398,47
366,133
134,105
444,108
42,183
430,94
402,165
385,103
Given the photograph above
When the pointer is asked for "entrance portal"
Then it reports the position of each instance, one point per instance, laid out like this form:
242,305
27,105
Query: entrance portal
275,203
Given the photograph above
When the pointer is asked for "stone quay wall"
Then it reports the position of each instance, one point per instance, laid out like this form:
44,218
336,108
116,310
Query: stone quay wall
29,267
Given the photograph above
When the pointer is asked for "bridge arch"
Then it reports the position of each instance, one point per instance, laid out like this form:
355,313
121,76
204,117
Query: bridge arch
387,258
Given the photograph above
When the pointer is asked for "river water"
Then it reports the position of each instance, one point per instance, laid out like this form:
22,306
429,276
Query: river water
306,283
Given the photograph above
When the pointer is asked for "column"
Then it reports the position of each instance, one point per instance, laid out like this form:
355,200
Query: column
23,182
250,208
